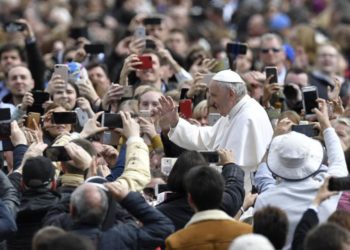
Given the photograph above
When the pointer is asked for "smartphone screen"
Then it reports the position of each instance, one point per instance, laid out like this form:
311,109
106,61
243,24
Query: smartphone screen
57,153
306,129
211,156
140,32
12,27
40,96
236,48
309,100
185,108
94,48
146,62
5,114
128,91
112,120
64,117
271,71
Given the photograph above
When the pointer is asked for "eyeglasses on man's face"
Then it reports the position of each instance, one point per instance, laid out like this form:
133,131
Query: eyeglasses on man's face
267,50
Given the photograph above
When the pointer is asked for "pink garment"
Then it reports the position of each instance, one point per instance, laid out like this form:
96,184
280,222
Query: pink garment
344,202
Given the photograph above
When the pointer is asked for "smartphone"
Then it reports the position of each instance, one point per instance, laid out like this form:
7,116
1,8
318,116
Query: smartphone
183,93
64,117
140,32
111,120
160,188
146,62
5,130
310,94
31,118
306,129
5,114
211,156
146,114
167,164
40,96
77,32
62,70
94,48
252,181
110,138
82,116
57,153
271,71
128,91
213,118
150,44
185,108
339,183
152,21
207,78
236,48
12,27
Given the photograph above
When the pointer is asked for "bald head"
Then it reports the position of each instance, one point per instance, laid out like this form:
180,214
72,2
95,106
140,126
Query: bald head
88,204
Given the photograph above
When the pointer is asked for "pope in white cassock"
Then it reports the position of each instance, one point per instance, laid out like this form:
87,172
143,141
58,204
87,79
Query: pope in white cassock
243,128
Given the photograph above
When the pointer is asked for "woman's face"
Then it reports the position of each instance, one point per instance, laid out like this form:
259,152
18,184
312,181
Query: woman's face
66,97
55,129
149,101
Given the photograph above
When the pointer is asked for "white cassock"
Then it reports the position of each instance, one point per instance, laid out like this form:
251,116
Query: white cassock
246,131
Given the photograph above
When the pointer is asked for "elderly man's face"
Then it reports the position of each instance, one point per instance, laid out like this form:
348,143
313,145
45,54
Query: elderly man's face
327,59
222,98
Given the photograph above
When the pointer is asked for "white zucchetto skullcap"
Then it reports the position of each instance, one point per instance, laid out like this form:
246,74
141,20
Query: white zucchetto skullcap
227,76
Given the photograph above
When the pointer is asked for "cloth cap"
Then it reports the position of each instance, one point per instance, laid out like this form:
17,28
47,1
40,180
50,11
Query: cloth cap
251,241
294,156
227,76
38,172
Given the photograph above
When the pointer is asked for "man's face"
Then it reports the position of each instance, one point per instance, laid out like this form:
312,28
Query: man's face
19,81
299,79
271,52
153,75
8,59
99,80
221,98
157,31
177,43
326,60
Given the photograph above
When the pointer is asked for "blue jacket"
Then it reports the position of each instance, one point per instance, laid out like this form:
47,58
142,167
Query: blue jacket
156,227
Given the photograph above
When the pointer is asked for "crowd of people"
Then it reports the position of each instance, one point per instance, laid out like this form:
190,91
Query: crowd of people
138,124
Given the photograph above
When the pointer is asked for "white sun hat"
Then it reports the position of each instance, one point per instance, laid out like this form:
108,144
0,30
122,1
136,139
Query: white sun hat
294,156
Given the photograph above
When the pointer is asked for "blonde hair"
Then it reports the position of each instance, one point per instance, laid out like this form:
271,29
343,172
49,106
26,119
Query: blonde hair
200,109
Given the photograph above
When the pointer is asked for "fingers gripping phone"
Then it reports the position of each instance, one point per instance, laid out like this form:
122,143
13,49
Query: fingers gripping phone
310,95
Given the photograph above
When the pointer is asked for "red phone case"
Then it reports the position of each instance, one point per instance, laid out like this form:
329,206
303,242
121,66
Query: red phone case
185,108
146,62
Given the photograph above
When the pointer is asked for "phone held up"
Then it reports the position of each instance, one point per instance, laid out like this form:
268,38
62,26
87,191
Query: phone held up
310,95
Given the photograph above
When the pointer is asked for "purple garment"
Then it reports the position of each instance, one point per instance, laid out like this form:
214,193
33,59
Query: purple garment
344,202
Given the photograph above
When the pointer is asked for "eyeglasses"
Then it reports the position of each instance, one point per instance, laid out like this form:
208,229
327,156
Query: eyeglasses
274,50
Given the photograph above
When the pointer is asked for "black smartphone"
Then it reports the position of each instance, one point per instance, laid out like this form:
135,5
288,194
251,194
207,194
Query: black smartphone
57,153
6,145
152,21
339,183
236,48
64,117
160,188
183,93
310,96
5,114
12,27
40,96
77,32
271,71
111,120
150,44
94,48
211,156
306,129
5,130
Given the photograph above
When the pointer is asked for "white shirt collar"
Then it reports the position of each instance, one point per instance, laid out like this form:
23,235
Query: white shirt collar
238,106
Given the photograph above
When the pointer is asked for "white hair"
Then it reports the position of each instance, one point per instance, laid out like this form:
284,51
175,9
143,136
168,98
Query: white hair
239,88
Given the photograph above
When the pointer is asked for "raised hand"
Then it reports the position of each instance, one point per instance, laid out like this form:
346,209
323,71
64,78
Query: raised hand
168,110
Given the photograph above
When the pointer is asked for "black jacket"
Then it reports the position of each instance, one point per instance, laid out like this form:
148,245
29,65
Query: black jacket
177,209
153,232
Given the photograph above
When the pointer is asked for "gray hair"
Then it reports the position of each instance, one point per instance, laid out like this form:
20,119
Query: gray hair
271,36
239,88
88,208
